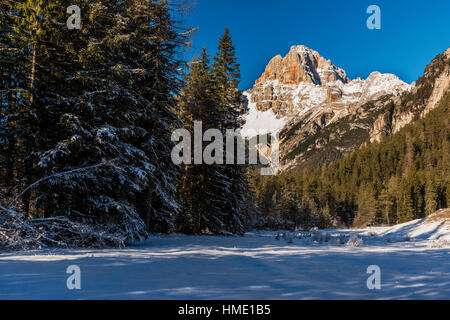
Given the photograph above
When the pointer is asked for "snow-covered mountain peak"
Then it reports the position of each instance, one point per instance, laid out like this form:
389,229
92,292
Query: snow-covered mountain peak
386,83
302,64
303,80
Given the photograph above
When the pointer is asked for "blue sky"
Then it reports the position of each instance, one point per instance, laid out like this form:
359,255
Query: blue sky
412,33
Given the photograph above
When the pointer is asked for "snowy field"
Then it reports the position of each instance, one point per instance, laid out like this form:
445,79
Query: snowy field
414,259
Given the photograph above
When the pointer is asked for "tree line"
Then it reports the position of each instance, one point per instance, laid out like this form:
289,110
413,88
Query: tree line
87,116
401,178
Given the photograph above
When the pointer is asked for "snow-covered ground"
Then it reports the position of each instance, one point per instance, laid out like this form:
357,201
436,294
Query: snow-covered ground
414,259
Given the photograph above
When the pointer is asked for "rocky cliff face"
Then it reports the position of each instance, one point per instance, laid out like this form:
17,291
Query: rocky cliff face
302,64
425,96
322,114
304,80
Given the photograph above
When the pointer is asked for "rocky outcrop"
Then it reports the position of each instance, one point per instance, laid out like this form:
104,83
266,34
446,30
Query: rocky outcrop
303,80
425,96
302,64
311,143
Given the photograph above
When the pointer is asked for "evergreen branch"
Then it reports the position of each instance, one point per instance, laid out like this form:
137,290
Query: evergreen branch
56,175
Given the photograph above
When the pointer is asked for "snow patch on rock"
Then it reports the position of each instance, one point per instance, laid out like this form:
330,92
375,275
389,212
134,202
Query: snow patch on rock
258,122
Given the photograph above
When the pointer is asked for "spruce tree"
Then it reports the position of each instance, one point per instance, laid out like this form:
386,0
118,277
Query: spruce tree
203,189
99,111
227,77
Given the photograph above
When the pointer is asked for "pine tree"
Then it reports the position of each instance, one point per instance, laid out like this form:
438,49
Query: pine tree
102,108
385,205
227,77
203,190
214,196
431,196
367,207
159,86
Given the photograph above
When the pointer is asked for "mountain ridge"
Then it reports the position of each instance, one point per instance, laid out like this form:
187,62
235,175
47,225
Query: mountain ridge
300,103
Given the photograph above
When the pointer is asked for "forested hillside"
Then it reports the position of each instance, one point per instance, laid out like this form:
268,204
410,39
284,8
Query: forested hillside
404,177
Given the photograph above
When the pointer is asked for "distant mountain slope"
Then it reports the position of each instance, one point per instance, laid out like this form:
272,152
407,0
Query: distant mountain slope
403,177
323,115
429,89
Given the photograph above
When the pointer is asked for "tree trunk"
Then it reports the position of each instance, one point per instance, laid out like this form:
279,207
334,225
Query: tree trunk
33,75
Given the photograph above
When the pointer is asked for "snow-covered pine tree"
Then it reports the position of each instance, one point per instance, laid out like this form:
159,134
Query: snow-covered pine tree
159,86
103,100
